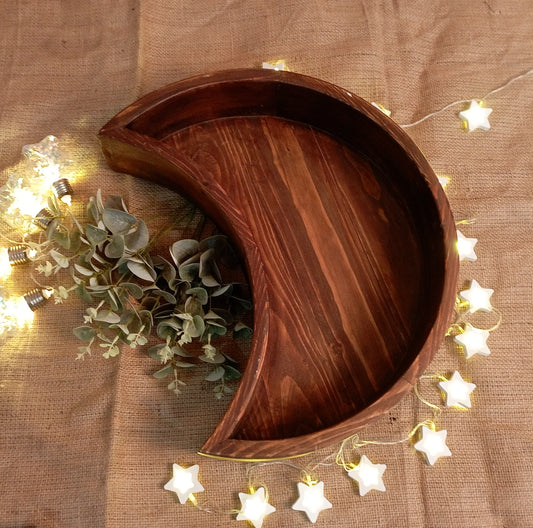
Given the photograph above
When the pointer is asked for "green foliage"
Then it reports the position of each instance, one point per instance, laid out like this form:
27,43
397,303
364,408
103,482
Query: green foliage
133,295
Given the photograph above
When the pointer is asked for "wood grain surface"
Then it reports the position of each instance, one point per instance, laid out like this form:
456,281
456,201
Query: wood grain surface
346,234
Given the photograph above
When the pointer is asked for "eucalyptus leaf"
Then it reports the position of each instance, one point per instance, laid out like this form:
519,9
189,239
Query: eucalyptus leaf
99,201
62,238
115,248
231,373
164,372
222,290
95,235
168,270
92,210
183,364
215,374
118,222
139,238
217,359
180,351
83,294
153,351
193,306
60,259
133,289
83,271
199,293
85,333
189,272
107,316
215,242
141,270
242,331
183,249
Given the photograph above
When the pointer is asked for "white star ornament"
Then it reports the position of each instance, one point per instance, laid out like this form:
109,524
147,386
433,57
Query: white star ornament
478,298
465,247
369,476
473,341
457,391
254,507
311,500
184,482
433,445
476,116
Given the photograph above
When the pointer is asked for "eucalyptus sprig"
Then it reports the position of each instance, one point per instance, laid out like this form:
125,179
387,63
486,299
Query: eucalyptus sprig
133,294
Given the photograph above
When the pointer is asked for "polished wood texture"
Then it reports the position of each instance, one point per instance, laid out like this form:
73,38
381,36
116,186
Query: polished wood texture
346,234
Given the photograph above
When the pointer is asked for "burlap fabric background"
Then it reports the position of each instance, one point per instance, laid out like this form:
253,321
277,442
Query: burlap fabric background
90,444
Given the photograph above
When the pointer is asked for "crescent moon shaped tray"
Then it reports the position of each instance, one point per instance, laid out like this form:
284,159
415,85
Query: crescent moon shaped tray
345,231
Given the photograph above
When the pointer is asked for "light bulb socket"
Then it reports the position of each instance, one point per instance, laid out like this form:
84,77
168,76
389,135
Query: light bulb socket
43,218
62,188
36,298
17,255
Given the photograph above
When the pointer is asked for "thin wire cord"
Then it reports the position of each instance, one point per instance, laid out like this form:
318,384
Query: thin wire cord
463,101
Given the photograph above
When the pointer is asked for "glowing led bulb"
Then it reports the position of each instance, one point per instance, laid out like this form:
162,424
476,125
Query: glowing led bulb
457,391
5,264
476,116
49,162
254,507
478,298
13,256
278,65
465,247
184,482
26,202
369,476
311,500
473,341
18,312
433,445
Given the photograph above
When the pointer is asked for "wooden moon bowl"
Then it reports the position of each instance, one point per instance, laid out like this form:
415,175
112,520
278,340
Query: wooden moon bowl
345,231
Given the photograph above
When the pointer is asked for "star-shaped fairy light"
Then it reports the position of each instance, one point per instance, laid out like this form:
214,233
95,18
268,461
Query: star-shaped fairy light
476,116
478,298
473,341
379,106
254,507
369,476
444,181
433,444
457,391
311,500
465,247
184,482
278,65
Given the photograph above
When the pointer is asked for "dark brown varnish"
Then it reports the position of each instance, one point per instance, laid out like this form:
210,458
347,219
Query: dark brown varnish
345,231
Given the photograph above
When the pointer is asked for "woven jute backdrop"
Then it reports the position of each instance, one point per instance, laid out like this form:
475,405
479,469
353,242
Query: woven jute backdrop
91,443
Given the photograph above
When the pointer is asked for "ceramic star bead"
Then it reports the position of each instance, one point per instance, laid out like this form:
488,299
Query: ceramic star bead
465,247
457,391
473,341
433,445
254,507
311,500
478,298
369,476
476,116
184,482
